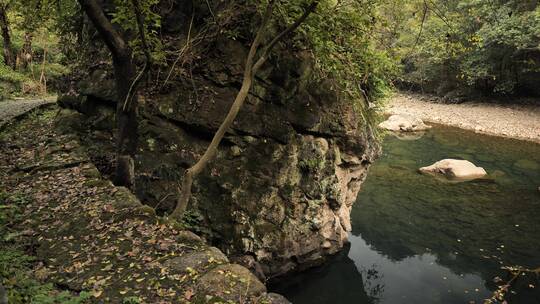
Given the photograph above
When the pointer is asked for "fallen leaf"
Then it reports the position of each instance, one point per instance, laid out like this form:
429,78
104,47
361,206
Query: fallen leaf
188,294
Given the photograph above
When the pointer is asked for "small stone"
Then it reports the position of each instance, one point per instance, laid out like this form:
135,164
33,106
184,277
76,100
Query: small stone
236,151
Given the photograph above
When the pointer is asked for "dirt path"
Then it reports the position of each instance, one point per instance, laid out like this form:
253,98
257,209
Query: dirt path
12,108
94,239
515,121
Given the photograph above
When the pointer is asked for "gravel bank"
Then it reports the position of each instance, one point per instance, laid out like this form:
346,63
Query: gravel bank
515,121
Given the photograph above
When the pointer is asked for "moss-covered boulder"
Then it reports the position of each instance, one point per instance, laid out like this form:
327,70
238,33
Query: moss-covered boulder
281,187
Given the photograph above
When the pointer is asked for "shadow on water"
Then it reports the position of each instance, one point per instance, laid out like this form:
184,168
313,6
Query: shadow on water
427,241
341,272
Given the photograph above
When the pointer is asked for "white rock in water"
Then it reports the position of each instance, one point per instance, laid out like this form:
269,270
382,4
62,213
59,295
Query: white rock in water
455,169
404,123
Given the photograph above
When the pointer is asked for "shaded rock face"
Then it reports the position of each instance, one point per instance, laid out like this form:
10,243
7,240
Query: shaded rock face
281,187
285,178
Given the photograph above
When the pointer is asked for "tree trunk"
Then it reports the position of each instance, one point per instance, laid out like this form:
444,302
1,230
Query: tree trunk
26,51
126,124
124,73
42,76
9,54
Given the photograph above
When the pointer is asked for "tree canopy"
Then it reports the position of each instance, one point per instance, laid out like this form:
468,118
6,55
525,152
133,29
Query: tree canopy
489,46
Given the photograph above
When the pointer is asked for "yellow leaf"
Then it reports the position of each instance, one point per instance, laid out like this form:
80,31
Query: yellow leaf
97,293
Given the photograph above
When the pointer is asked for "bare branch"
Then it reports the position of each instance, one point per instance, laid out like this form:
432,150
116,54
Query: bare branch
187,182
249,72
424,15
146,50
181,53
310,9
112,38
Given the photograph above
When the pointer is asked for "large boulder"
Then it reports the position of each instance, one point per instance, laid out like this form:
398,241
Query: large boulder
455,169
404,123
226,284
283,182
281,186
278,193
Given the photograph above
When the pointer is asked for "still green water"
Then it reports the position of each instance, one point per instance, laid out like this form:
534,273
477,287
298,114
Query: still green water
417,239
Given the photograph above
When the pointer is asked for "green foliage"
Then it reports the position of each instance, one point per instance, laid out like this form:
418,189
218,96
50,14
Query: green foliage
192,221
16,266
486,45
311,164
124,15
9,75
131,300
339,35
39,20
10,210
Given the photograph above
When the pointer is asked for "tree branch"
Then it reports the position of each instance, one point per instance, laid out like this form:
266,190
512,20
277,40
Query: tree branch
146,50
310,9
249,72
187,182
112,38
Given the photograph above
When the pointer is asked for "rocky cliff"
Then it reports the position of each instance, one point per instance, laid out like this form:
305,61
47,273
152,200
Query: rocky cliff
279,193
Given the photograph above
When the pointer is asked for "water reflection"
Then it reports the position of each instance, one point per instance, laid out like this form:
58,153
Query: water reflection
339,281
418,278
409,136
427,241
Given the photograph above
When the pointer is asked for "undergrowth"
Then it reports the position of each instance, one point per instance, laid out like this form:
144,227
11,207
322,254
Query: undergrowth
17,267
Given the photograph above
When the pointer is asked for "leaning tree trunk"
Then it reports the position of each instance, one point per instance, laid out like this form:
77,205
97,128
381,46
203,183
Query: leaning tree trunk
250,70
9,54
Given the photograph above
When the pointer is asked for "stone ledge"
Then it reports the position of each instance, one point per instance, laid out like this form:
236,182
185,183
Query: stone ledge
92,236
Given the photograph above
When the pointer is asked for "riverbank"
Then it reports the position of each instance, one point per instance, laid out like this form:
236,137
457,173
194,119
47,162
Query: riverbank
514,121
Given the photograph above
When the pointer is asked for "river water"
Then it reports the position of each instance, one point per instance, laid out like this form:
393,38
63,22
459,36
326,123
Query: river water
417,239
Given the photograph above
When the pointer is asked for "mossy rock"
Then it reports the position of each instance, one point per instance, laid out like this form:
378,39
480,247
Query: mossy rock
197,261
188,237
231,282
97,183
90,172
272,298
124,198
68,120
